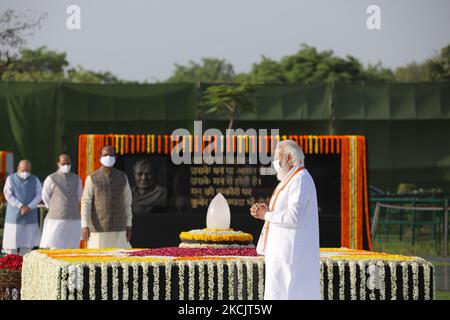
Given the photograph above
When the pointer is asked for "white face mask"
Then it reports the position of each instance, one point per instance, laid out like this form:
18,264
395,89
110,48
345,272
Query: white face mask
65,168
23,174
108,161
276,165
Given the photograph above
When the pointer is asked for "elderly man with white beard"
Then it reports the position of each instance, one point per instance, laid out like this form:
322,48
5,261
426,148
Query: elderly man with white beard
290,236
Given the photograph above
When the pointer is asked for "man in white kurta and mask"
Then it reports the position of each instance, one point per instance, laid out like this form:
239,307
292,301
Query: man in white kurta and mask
23,193
61,194
106,205
290,236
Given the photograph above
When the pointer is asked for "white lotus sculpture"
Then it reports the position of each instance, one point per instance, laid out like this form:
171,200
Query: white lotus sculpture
218,215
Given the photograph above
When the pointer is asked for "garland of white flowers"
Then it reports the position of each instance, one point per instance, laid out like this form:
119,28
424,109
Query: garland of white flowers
330,279
230,280
135,280
115,281
155,281
144,281
104,283
91,281
352,267
220,280
426,276
382,282
201,272
260,279
321,280
168,279
249,267
125,280
181,269
80,285
71,282
210,280
191,268
58,286
405,280
434,282
362,290
63,283
41,278
240,276
415,274
393,269
341,267
372,280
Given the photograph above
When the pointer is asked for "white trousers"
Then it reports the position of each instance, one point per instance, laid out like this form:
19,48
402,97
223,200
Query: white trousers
20,251
115,239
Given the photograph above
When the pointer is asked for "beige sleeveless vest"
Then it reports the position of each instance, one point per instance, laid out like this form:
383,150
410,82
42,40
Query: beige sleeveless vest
108,207
64,203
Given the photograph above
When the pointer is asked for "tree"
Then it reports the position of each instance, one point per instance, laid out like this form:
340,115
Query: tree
412,72
211,70
376,72
43,64
21,64
438,67
80,75
227,99
310,65
39,64
435,68
267,71
14,28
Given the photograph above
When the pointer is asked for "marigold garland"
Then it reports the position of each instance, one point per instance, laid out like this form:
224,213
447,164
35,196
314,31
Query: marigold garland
225,235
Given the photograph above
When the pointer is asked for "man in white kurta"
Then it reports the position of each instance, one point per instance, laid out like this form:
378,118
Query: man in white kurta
290,236
23,193
61,194
106,206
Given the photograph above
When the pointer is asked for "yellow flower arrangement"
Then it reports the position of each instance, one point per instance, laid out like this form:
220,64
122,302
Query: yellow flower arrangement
72,251
108,259
216,235
387,257
353,254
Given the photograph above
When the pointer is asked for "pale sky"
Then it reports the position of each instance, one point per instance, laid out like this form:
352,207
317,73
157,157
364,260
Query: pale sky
142,39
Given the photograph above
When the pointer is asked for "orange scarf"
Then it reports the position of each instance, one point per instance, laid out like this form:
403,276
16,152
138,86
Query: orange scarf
276,193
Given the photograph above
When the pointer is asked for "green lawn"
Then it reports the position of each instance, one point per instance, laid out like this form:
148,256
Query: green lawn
442,295
387,240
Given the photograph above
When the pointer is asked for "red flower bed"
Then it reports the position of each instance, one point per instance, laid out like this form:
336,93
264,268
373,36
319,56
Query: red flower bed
195,252
11,262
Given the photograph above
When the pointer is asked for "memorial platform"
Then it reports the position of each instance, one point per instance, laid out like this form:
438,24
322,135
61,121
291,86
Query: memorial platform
213,274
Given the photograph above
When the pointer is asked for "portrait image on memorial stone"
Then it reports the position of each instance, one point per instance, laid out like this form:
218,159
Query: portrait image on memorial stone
149,195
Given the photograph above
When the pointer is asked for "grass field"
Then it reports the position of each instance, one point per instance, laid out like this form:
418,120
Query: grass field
442,295
426,245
